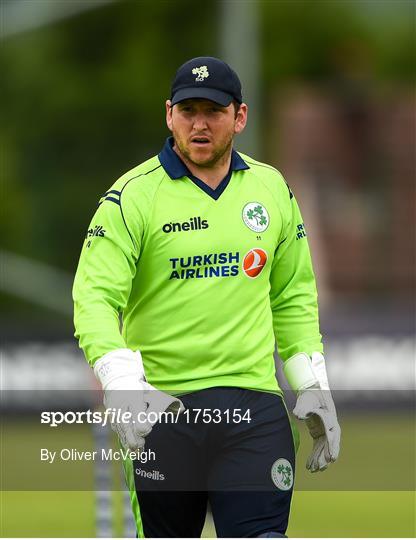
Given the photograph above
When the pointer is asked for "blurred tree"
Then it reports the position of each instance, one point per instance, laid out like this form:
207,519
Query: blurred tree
85,102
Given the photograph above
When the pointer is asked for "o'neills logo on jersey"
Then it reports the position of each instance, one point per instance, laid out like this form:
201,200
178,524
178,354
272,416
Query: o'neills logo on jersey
194,224
254,261
98,230
153,475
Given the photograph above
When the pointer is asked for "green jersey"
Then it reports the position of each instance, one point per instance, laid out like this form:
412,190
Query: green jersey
205,280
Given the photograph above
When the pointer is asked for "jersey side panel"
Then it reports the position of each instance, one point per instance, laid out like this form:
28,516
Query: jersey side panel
106,269
293,293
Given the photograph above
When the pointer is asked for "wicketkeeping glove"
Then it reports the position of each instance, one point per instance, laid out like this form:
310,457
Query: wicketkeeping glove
307,377
122,377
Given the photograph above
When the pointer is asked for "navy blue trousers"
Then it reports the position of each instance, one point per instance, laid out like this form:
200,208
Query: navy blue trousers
243,469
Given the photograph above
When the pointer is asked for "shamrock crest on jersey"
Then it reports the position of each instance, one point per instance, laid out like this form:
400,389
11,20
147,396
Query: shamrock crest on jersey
282,474
202,73
256,217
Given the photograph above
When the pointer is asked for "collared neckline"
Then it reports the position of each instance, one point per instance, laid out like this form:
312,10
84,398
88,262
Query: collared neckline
176,168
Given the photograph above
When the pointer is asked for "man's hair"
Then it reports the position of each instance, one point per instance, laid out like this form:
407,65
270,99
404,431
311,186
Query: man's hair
236,107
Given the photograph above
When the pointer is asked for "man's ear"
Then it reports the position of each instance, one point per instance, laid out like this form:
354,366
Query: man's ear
241,119
169,110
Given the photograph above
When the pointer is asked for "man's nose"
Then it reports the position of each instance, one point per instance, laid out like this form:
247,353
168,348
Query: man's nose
200,122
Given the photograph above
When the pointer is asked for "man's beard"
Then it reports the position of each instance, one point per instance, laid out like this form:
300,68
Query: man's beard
216,157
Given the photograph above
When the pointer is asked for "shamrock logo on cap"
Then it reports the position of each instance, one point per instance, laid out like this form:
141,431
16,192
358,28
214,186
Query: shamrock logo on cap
202,73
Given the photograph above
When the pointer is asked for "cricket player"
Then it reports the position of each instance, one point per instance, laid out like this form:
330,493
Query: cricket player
202,254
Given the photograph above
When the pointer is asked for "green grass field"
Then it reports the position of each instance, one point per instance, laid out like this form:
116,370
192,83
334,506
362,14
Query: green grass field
369,492
314,514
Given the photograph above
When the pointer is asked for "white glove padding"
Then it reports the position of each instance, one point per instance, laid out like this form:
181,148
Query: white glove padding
307,376
122,377
317,408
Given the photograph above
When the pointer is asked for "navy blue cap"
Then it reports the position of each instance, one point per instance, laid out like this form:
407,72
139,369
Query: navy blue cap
206,77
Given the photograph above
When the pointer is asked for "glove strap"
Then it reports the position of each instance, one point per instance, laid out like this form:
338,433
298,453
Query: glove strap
318,367
298,372
302,372
119,364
